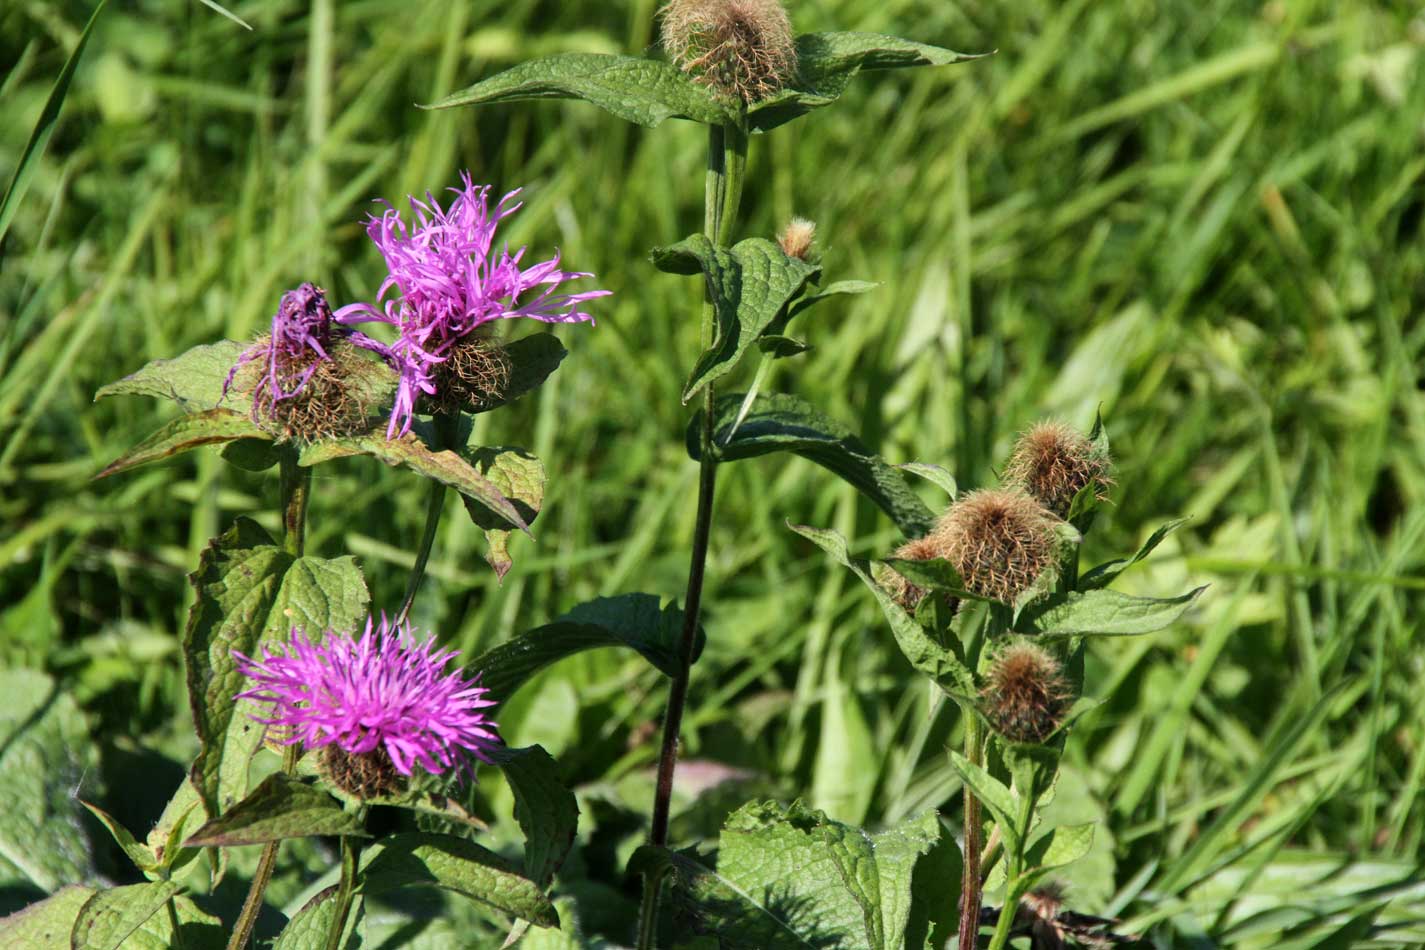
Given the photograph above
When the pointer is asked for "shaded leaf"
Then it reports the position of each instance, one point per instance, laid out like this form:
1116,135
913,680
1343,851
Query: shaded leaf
783,423
781,347
46,924
925,654
457,865
638,90
410,450
748,285
183,811
280,807
1108,613
109,917
935,574
992,793
546,811
520,477
826,64
193,380
251,455
532,359
630,620
249,591
141,856
210,427
310,928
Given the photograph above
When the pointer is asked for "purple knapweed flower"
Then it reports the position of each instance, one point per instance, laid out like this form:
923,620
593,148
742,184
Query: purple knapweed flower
301,329
382,692
447,279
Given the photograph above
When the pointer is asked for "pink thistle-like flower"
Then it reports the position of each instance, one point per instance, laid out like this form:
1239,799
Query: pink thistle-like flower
448,280
301,330
382,692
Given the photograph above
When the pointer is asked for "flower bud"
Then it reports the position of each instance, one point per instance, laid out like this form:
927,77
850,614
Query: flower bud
742,49
1000,540
1026,695
905,593
796,239
1054,462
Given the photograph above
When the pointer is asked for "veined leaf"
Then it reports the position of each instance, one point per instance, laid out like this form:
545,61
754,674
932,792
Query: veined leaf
211,427
1107,613
638,90
457,865
193,380
783,423
826,64
281,807
546,811
46,924
311,926
109,917
992,793
629,620
749,285
532,360
519,476
1105,573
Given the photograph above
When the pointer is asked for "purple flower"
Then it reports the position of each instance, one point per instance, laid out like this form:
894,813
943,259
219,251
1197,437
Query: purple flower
447,279
382,691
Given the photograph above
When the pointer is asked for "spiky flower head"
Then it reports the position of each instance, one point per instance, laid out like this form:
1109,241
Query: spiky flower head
383,695
1054,462
305,374
999,539
446,281
901,589
797,237
741,49
1025,695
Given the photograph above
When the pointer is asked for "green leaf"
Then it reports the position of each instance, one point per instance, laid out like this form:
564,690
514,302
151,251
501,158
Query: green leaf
251,591
457,865
165,839
826,64
280,807
46,924
628,620
252,455
1061,847
520,477
44,128
781,347
748,284
1105,573
992,793
925,654
936,474
109,917
546,811
194,380
211,427
935,574
410,450
791,877
45,749
935,895
642,91
310,927
532,359
1107,613
838,288
782,423
140,855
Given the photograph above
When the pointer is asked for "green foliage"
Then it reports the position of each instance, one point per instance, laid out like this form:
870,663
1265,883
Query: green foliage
213,427
519,477
108,918
546,811
532,359
1107,613
310,927
193,379
280,807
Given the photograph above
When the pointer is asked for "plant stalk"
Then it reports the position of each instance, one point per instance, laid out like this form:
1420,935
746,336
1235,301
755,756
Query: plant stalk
446,427
970,879
727,160
350,853
295,484
1015,856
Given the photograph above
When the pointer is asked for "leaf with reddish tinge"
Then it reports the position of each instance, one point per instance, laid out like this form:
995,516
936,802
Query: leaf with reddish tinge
213,427
520,476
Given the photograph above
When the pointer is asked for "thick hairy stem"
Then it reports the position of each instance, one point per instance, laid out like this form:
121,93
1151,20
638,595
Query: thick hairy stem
970,880
727,158
296,486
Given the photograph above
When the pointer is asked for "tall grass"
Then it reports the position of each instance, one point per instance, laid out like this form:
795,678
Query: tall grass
1204,217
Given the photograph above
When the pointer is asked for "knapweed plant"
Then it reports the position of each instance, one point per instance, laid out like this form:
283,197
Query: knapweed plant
321,714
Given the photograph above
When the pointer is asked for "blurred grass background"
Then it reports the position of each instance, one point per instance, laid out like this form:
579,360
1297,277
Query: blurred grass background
1204,217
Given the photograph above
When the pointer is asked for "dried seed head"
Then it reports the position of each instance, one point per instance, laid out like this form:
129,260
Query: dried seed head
740,48
796,239
1026,695
999,540
905,593
366,775
476,371
1053,462
1039,911
334,401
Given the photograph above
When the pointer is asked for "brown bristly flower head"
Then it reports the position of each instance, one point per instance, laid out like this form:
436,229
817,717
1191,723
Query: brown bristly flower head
797,237
999,539
1039,911
1054,462
1025,695
740,48
476,371
366,775
333,402
905,593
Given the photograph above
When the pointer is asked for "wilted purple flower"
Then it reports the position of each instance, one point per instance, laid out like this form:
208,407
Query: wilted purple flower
303,323
383,691
449,280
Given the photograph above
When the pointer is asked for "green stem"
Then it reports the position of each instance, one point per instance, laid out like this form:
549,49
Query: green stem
727,162
446,427
296,488
350,853
970,878
1015,867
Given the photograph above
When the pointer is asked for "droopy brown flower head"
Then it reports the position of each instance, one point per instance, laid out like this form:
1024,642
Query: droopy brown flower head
334,401
1026,695
740,48
999,539
1053,462
905,593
